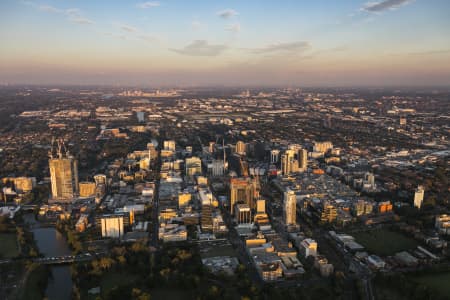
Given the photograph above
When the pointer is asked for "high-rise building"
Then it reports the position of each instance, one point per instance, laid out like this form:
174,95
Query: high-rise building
63,173
288,162
169,145
112,226
289,209
329,213
243,214
274,156
240,148
303,160
242,191
418,196
206,199
216,168
87,189
285,164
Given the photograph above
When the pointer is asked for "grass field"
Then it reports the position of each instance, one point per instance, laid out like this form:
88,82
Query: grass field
439,282
384,242
8,242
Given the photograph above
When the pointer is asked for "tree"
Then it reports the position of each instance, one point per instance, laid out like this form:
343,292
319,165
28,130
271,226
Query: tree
106,263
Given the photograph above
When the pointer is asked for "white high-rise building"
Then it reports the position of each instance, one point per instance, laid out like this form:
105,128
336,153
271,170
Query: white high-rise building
418,196
289,209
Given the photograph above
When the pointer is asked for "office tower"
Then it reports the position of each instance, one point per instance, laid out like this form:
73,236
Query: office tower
418,196
216,168
240,148
169,145
63,173
87,189
289,209
206,198
100,179
329,213
193,166
243,214
241,191
112,226
303,159
274,156
207,219
285,164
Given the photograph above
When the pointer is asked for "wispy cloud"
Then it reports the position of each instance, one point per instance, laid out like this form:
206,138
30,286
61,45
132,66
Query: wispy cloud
148,38
73,14
227,13
50,9
201,48
81,20
236,27
128,28
423,53
384,5
148,4
292,47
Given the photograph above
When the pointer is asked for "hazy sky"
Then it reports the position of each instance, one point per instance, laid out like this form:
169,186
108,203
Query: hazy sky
168,42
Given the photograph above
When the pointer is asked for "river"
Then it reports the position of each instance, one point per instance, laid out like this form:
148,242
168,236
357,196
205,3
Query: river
51,242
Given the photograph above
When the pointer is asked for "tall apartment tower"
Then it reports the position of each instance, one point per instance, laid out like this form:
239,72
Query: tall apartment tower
418,196
289,209
285,164
303,160
63,173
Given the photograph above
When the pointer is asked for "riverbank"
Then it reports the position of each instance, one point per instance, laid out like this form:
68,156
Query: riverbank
50,242
36,280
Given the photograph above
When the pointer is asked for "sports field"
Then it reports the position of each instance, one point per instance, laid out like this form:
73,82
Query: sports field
384,242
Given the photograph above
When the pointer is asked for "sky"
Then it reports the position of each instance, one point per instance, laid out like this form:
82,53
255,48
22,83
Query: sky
226,42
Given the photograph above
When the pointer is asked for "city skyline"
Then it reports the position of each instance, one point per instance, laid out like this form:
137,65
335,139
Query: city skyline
319,43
